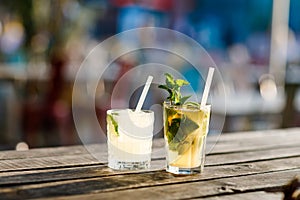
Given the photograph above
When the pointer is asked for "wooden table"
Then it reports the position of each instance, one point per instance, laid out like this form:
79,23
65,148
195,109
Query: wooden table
247,165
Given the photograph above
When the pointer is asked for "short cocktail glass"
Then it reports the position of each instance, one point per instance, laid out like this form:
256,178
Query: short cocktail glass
185,131
129,138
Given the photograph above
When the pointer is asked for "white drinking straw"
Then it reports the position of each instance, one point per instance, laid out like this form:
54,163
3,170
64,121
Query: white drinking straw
144,94
207,86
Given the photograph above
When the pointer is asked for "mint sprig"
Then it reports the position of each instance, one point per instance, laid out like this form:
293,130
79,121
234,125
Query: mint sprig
179,130
173,88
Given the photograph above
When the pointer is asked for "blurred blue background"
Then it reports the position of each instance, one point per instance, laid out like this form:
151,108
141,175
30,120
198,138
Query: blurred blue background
42,44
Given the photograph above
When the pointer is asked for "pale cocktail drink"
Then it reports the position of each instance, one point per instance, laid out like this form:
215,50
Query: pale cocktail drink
129,140
185,131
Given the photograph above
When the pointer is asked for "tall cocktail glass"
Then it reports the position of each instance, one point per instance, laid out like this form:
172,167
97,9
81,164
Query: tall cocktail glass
185,131
129,138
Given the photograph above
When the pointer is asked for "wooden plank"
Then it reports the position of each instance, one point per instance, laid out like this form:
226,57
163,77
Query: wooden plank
247,144
56,180
227,143
242,196
275,136
244,157
48,162
102,182
142,190
87,159
225,137
266,141
237,136
244,147
39,176
101,153
248,196
69,173
43,152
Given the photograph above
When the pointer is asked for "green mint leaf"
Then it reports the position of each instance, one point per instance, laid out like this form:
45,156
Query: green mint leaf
170,81
165,88
177,97
178,133
173,87
173,129
187,126
114,123
171,112
184,99
168,89
180,82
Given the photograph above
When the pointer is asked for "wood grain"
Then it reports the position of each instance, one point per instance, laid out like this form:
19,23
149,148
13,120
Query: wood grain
182,190
47,162
226,143
87,159
41,176
42,152
78,156
248,196
241,166
102,182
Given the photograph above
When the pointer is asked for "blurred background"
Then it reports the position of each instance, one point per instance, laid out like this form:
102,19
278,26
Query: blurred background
255,44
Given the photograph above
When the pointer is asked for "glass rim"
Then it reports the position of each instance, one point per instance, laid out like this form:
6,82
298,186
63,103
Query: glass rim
120,109
168,103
